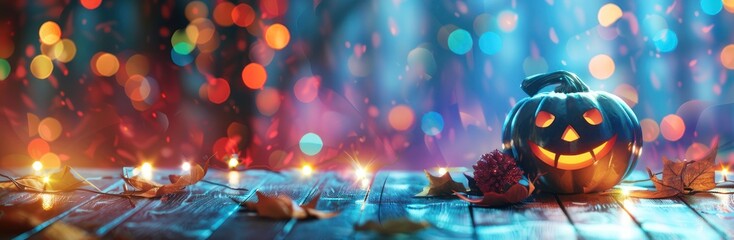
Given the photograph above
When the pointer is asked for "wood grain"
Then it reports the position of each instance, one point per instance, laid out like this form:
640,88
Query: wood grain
538,218
600,217
668,218
247,225
394,198
338,193
26,213
716,209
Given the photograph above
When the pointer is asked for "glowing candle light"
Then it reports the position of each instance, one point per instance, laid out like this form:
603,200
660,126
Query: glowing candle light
146,171
186,166
442,171
306,170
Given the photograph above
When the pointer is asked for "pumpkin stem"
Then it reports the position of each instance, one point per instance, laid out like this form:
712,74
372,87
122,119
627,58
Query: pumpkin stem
568,83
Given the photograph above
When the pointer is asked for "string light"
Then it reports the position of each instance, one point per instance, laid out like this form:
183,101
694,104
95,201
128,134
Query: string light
46,179
186,166
233,161
306,170
360,172
442,171
37,166
147,171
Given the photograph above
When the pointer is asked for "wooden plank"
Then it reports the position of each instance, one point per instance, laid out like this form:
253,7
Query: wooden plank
667,218
192,214
43,209
600,217
449,217
247,225
540,217
716,209
338,193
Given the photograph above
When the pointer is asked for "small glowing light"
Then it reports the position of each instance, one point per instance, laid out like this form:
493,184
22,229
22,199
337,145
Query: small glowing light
442,171
254,76
601,66
146,171
360,173
625,192
277,36
186,166
609,14
306,170
365,183
41,67
233,162
49,32
724,173
234,178
37,166
46,179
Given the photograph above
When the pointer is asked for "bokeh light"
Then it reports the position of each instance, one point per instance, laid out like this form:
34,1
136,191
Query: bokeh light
672,127
64,50
243,15
91,4
4,69
627,93
218,91
50,161
650,130
665,40
106,64
137,88
254,76
49,129
41,67
37,148
307,89
137,65
460,41
601,66
727,56
609,14
50,33
277,36
7,47
432,123
268,101
490,43
401,117
711,7
195,10
311,144
696,151
507,20
223,14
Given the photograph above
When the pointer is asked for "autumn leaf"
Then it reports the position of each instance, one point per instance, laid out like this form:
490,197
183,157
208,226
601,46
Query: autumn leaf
65,179
394,226
680,177
473,188
441,186
515,194
283,207
149,189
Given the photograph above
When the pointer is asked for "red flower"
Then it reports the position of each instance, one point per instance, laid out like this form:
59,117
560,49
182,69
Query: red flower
496,172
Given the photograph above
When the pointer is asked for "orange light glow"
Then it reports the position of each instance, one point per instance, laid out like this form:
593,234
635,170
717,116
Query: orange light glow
307,170
544,119
37,166
50,33
91,4
243,15
573,162
254,76
401,117
277,36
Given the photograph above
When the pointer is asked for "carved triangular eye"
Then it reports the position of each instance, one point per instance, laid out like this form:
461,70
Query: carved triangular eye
544,119
593,116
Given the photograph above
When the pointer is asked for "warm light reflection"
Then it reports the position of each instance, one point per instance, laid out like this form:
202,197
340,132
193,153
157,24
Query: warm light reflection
365,183
234,178
146,171
186,166
306,170
37,166
360,172
442,171
233,162
47,201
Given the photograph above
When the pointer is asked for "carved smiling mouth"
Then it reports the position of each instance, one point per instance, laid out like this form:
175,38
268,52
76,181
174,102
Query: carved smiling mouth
573,162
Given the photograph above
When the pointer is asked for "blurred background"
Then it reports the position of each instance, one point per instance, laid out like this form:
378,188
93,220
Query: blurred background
403,84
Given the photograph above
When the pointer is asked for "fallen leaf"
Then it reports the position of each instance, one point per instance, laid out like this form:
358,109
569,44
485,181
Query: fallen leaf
393,226
515,194
283,207
149,189
63,180
441,186
473,188
680,177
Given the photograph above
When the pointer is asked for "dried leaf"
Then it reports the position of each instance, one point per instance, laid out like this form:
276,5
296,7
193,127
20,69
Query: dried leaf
394,226
283,207
515,194
441,186
473,188
682,176
150,189
63,180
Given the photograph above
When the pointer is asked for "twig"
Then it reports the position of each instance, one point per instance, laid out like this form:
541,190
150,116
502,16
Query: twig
224,185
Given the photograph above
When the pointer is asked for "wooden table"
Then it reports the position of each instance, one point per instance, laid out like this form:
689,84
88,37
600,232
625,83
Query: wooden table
208,211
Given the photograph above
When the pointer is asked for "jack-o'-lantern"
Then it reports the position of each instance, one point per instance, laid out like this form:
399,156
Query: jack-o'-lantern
574,139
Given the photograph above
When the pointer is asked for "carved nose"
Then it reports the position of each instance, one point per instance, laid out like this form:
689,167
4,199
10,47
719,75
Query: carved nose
570,135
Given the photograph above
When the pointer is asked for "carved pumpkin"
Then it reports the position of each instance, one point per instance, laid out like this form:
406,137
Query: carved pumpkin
578,140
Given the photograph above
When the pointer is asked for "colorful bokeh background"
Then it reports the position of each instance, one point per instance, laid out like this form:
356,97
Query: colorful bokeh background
336,83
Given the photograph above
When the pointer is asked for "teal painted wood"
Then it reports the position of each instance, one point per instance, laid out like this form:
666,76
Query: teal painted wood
716,209
538,218
598,216
668,218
